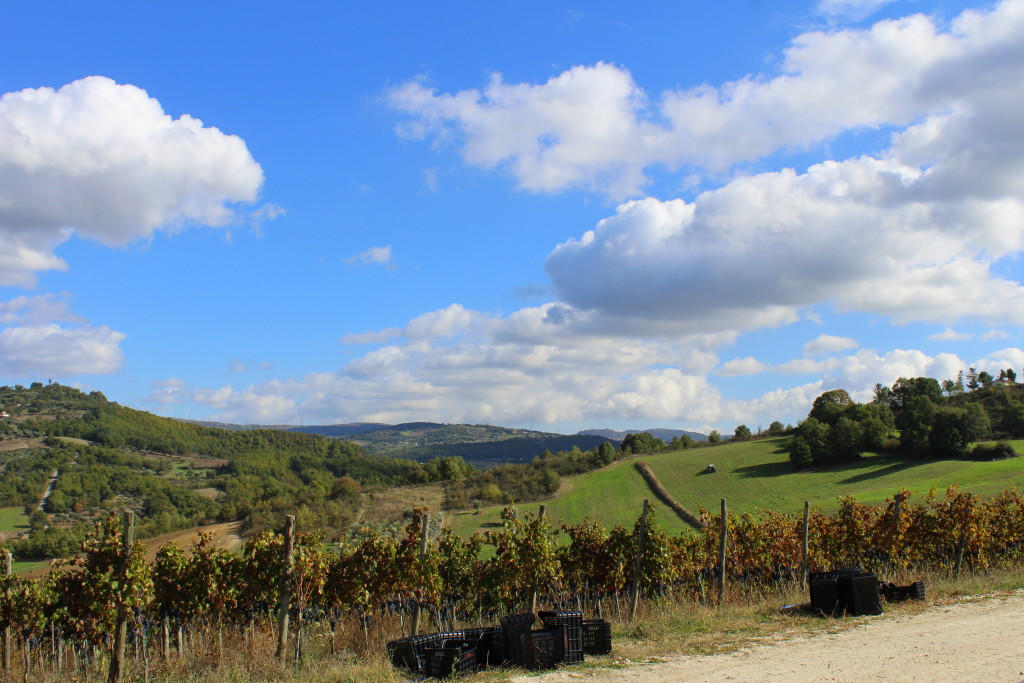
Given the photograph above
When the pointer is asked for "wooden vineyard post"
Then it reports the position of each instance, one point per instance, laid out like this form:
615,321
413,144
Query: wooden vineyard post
541,514
7,628
121,630
284,604
806,531
424,539
165,640
724,539
640,543
961,544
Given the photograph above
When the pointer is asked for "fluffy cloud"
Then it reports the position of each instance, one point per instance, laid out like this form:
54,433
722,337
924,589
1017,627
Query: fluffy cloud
456,364
37,309
738,367
828,343
104,161
255,405
580,128
854,232
913,233
52,350
594,127
478,370
949,334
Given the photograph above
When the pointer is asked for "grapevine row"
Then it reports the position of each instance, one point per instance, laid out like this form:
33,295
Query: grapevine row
369,575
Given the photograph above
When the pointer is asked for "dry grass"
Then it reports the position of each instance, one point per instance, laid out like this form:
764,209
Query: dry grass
391,504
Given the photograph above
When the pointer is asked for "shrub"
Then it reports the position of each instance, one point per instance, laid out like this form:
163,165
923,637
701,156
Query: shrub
993,451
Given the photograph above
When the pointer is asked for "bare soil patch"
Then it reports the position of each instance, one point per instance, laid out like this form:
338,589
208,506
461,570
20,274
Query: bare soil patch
971,640
211,493
225,535
17,444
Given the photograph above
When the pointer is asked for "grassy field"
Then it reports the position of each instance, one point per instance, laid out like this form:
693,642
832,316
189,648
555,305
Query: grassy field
751,475
13,519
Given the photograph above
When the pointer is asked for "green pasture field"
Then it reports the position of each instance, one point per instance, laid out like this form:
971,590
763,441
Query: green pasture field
751,475
613,495
21,566
13,519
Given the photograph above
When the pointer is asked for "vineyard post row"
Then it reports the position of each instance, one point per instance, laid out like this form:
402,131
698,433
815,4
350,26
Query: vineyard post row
281,581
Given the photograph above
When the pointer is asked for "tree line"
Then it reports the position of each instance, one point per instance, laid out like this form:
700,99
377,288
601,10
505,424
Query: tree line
917,416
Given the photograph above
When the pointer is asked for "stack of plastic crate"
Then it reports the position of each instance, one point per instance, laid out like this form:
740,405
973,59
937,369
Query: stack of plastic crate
854,592
454,658
411,653
571,623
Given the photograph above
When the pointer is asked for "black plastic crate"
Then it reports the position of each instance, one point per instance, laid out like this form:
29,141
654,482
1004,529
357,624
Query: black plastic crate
517,638
845,591
825,595
453,661
443,636
491,649
860,594
571,623
545,648
597,637
893,593
411,653
478,632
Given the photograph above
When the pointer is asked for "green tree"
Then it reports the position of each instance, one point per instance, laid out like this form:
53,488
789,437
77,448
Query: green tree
830,406
846,439
606,453
915,423
985,379
904,389
815,433
953,429
714,437
800,453
742,433
642,442
775,428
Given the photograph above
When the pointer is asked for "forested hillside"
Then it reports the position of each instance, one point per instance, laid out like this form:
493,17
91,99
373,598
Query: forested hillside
176,474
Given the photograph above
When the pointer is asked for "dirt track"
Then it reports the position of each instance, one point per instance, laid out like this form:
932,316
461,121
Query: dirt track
981,640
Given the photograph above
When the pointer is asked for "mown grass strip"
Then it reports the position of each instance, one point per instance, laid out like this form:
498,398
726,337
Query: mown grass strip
666,497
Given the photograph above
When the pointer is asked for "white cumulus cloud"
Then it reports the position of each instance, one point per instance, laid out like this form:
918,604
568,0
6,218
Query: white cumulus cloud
102,160
949,334
828,343
49,349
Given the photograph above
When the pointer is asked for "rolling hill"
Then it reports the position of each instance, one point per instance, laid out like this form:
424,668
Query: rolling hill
750,475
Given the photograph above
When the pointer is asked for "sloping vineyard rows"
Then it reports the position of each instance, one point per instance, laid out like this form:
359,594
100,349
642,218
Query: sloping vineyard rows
370,576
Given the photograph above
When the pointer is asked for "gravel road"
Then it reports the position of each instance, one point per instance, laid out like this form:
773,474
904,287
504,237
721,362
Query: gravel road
976,640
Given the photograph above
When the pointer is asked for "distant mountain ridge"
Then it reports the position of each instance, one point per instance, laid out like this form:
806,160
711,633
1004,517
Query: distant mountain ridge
663,434
482,445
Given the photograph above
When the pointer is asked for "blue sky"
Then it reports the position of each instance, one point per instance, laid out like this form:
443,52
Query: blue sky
548,215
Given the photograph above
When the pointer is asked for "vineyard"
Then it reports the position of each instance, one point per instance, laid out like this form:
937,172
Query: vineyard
111,610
